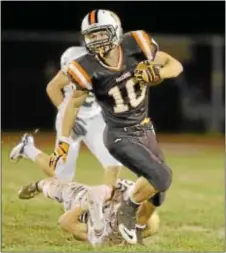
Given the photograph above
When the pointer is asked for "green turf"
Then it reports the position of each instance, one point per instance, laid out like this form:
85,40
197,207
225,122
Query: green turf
192,218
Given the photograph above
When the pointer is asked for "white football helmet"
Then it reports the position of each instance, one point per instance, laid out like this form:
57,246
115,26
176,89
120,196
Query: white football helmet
97,21
70,54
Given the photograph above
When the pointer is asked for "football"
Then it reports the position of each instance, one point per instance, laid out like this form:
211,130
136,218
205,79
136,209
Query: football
141,73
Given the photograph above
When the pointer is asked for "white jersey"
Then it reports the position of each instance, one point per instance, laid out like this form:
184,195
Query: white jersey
72,194
90,108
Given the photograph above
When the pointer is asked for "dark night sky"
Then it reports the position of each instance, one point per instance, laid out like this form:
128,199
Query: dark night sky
163,17
155,17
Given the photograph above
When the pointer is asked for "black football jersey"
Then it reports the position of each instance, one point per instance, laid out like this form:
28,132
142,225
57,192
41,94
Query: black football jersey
123,100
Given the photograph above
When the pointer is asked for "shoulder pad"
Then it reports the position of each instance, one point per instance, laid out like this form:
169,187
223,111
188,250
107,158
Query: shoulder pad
70,54
129,44
80,71
142,43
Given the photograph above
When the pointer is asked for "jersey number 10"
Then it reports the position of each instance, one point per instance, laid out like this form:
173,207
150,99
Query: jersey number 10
134,100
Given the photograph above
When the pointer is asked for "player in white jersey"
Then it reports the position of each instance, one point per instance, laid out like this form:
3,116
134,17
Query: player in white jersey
64,191
27,149
77,200
88,128
90,212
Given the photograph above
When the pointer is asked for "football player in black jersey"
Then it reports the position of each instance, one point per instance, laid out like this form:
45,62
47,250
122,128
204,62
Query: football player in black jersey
119,70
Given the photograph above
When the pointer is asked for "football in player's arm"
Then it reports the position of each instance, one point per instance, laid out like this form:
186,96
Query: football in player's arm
154,72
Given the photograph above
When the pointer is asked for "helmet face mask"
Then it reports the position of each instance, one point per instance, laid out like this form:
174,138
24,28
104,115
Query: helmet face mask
100,40
103,36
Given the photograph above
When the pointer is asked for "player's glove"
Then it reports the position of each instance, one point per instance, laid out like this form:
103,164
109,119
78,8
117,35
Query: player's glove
147,72
60,152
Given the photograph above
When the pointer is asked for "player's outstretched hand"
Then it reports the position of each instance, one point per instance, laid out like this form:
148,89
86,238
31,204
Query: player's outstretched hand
60,152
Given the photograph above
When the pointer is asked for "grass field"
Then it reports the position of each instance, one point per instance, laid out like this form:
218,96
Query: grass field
192,218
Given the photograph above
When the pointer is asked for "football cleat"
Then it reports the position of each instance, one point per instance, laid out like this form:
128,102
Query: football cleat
18,151
28,191
126,216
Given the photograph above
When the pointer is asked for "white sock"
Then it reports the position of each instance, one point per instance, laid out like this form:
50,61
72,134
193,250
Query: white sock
31,152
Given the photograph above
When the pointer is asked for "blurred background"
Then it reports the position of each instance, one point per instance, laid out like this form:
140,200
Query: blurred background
35,34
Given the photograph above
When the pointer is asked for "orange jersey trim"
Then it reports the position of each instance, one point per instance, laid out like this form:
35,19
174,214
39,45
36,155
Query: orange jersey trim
144,42
79,75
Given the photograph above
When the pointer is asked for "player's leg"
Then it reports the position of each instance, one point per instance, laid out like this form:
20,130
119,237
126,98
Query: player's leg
137,149
144,213
152,226
53,188
50,187
147,208
27,149
150,144
147,218
94,141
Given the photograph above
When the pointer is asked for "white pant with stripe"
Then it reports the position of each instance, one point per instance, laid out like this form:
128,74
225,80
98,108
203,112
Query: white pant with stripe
93,140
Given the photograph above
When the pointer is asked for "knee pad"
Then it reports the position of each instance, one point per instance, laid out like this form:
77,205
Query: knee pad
166,178
160,177
158,199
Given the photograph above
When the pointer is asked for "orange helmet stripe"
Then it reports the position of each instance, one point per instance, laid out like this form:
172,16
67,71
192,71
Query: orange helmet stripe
93,17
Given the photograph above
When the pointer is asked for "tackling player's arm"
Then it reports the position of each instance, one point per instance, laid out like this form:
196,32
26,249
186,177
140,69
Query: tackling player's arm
76,100
69,221
55,86
82,80
78,75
